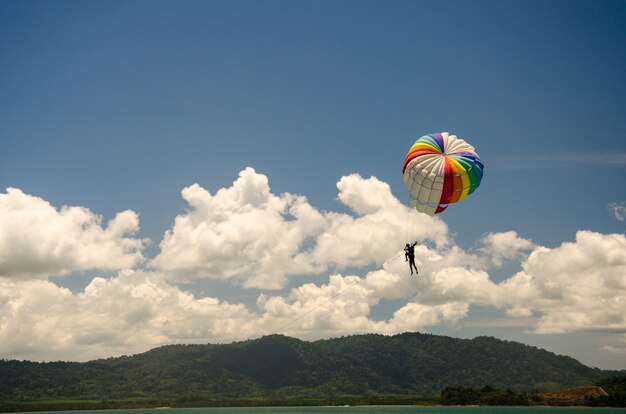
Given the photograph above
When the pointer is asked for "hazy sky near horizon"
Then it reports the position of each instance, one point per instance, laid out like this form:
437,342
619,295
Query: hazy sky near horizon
212,171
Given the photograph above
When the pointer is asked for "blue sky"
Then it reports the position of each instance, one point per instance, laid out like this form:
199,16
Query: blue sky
120,105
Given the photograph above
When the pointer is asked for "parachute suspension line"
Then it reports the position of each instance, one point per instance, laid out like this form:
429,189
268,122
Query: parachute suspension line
335,296
332,298
408,217
408,223
392,259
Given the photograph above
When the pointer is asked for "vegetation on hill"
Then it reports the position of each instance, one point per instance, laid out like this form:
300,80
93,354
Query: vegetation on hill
486,396
370,368
615,387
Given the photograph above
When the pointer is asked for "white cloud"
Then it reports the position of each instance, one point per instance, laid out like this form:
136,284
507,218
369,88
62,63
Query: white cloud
243,232
136,310
247,234
343,306
312,311
37,239
501,247
366,196
577,286
378,232
620,347
618,210
456,284
415,316
129,313
614,350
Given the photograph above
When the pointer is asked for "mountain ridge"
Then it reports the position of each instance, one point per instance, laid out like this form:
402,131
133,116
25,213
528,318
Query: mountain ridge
279,366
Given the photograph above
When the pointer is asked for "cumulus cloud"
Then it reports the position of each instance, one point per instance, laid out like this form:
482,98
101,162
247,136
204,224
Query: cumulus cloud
501,247
415,316
243,232
248,234
456,284
137,310
618,210
344,304
37,239
129,313
577,286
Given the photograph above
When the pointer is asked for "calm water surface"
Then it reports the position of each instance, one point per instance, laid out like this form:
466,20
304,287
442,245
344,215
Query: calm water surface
364,410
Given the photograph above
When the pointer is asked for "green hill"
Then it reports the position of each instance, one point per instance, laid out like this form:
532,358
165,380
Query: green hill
279,367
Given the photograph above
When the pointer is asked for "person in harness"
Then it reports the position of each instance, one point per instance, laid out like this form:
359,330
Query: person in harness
409,256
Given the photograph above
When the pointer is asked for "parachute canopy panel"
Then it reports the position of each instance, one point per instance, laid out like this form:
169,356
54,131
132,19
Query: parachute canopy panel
440,169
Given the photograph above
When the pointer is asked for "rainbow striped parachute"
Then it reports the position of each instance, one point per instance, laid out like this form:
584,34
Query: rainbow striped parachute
440,169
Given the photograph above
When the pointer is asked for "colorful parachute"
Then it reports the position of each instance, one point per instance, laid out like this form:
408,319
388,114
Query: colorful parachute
440,169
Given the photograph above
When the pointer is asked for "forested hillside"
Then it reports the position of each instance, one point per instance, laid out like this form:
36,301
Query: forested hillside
281,367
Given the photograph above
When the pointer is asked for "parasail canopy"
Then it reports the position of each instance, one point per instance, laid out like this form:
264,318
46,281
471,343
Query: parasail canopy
440,169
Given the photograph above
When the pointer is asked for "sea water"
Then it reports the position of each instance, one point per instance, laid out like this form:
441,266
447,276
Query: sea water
362,409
